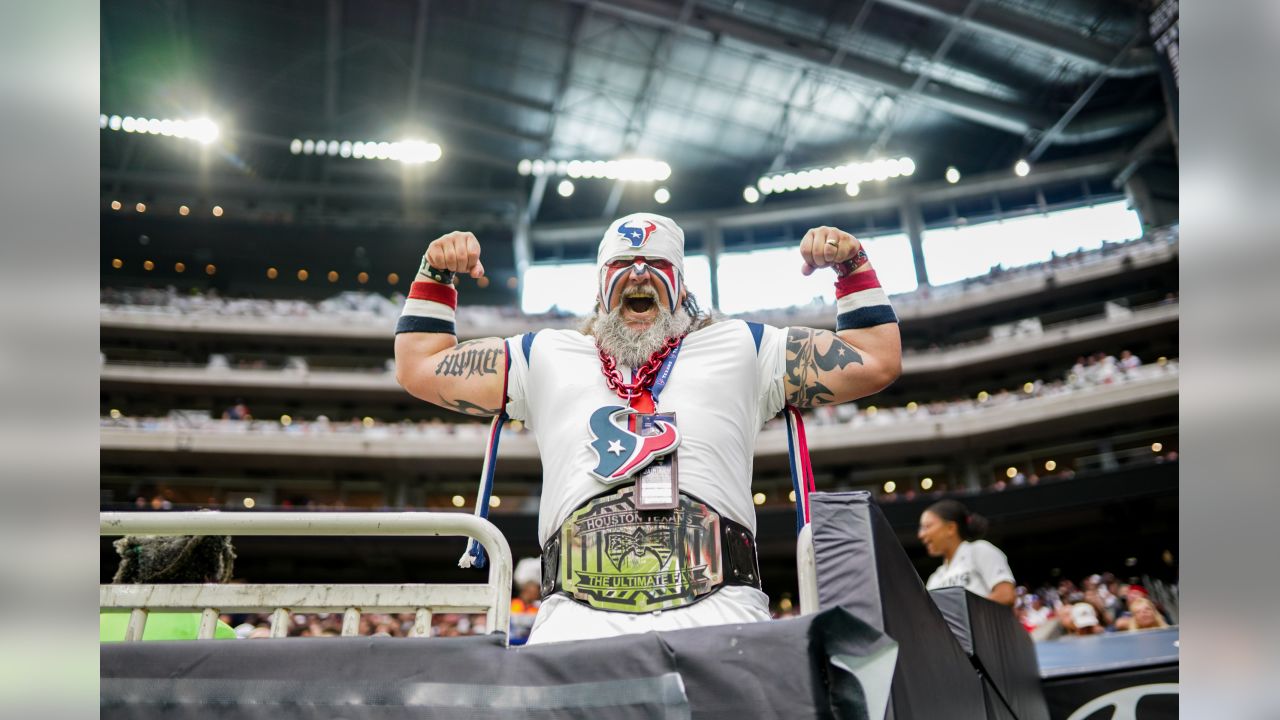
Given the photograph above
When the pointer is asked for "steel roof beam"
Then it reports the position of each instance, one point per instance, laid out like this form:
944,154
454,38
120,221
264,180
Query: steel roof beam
332,60
1032,31
419,48
999,114
642,105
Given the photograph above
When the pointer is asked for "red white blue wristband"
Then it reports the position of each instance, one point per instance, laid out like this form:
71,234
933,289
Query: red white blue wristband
430,308
861,302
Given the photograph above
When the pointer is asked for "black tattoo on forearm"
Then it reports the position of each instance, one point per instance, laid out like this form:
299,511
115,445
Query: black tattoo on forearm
468,408
806,364
464,362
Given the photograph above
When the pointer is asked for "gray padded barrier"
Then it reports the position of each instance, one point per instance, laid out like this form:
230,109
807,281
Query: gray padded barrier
863,568
816,666
1001,650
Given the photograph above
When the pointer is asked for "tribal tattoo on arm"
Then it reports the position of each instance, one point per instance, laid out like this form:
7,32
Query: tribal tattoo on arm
468,408
810,355
465,360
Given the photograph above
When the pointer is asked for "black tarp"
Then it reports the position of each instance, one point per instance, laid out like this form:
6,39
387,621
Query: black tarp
863,568
796,668
1001,650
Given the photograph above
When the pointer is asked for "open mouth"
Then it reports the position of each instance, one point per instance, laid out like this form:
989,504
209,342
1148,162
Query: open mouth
638,304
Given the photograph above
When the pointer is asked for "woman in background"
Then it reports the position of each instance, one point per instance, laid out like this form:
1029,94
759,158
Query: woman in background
949,531
1145,616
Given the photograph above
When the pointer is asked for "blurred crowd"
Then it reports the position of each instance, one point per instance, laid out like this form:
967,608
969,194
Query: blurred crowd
1100,603
258,625
1099,369
353,307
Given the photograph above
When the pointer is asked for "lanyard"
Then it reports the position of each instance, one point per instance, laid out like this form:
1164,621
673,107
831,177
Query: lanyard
647,401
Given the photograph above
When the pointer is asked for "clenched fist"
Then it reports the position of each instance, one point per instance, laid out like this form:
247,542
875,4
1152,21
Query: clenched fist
457,251
826,246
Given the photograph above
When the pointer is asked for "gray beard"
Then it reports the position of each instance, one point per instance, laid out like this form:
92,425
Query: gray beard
632,348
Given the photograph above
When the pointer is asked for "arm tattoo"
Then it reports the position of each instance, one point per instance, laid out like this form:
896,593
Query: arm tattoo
468,408
806,364
464,361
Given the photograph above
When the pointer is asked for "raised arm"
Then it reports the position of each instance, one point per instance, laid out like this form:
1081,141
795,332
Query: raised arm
430,362
864,355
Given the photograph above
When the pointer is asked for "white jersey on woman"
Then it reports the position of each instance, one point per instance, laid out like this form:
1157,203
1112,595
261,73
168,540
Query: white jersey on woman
977,566
726,382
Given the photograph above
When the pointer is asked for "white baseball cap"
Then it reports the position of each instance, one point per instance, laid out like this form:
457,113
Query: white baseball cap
528,570
1083,615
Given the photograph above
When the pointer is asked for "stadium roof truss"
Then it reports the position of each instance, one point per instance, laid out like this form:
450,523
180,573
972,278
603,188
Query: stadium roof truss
723,90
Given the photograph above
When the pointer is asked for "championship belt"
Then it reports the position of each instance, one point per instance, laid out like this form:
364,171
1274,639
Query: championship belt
609,555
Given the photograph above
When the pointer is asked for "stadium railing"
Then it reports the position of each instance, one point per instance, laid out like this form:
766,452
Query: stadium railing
282,600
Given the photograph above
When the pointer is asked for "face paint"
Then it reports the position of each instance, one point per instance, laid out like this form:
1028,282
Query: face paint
617,271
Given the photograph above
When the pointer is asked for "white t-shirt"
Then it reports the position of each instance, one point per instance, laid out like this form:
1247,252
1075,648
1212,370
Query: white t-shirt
977,566
722,390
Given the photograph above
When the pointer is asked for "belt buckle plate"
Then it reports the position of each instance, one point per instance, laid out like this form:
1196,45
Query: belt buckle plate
615,557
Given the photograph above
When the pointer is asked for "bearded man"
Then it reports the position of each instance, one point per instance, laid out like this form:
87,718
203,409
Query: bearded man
646,420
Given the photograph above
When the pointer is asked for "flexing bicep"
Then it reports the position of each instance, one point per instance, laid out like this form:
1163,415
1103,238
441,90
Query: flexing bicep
824,368
466,378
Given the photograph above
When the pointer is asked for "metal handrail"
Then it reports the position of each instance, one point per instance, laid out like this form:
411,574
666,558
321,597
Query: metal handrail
493,597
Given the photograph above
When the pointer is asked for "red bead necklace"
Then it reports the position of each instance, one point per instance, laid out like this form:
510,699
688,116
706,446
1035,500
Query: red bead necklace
645,374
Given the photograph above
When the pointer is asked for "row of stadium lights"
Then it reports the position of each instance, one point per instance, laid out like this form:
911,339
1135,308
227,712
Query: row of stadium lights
625,170
183,210
202,130
851,175
302,274
272,273
409,152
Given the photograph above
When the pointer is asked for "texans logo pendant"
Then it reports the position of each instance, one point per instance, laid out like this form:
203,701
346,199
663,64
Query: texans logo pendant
620,452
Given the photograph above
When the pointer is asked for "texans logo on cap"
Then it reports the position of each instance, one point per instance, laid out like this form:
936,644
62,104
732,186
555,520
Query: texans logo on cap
636,235
621,452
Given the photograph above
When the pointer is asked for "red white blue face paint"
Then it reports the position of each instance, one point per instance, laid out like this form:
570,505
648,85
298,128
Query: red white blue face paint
616,272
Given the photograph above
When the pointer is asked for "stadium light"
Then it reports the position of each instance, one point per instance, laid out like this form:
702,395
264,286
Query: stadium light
926,484
201,130
890,486
410,151
751,194
953,175
1022,168
624,170
565,188
661,196
851,175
